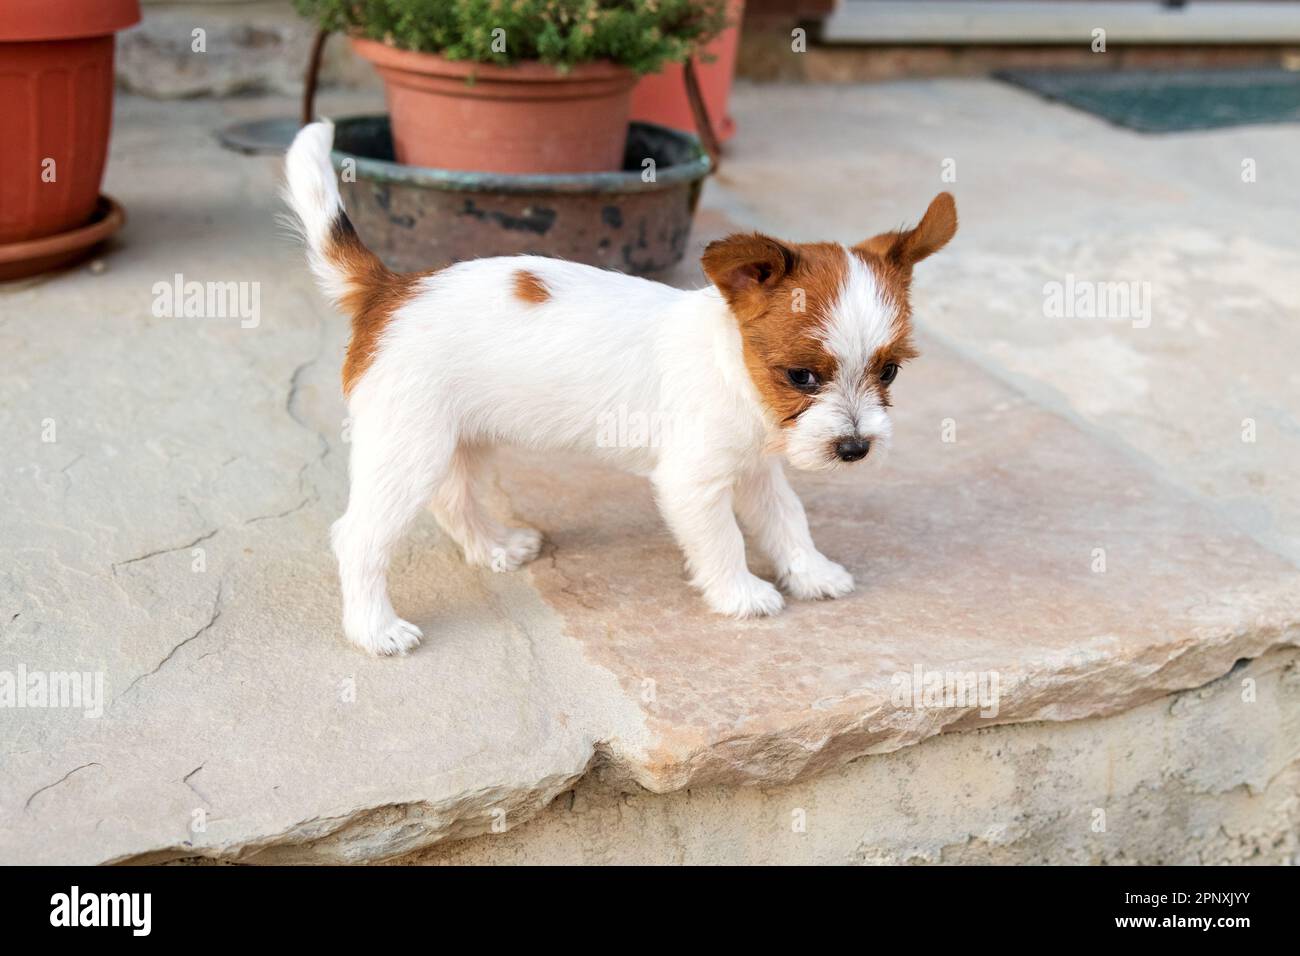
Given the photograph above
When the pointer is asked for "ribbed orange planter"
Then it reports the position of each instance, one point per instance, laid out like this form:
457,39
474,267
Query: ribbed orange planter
56,109
525,118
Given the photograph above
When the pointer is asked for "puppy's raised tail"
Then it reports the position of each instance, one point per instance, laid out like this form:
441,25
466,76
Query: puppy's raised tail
347,272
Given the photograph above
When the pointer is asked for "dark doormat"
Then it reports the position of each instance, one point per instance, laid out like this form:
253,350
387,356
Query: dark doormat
1168,101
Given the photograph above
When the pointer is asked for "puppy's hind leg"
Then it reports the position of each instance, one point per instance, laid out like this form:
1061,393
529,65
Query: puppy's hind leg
458,505
394,471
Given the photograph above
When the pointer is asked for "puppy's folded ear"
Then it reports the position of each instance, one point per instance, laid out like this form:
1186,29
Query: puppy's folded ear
746,265
908,247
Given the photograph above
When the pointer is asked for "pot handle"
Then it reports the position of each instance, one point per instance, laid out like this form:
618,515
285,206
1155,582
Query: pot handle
311,76
700,111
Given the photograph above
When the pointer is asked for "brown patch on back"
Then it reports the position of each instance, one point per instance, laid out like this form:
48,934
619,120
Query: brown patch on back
373,293
780,295
530,288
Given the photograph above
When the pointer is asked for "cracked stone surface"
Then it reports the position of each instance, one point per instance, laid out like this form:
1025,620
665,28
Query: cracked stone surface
169,483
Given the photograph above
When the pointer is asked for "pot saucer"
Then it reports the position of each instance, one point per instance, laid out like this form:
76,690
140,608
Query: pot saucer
32,256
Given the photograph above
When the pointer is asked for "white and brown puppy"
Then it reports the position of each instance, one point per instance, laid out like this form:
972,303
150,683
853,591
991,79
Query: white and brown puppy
790,352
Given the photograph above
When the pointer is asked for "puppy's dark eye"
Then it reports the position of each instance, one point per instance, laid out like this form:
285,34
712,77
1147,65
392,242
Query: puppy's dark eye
889,373
803,379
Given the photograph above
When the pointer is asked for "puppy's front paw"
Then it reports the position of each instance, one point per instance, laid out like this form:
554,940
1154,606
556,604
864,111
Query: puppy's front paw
386,640
522,546
817,576
750,597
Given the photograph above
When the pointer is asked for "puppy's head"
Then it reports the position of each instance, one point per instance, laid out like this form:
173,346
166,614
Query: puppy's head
824,330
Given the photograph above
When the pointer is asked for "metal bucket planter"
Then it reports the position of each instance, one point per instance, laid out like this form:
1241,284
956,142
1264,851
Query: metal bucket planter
416,218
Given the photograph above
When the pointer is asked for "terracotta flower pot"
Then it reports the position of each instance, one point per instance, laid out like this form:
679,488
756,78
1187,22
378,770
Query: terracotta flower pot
661,97
525,118
56,109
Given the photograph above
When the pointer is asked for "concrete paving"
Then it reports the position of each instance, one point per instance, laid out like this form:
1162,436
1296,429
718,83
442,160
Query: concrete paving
1099,512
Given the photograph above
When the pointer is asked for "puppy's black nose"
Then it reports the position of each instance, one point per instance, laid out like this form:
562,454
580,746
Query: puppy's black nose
852,449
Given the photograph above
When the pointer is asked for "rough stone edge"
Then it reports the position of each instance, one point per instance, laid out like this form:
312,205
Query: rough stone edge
401,828
795,752
383,832
1004,843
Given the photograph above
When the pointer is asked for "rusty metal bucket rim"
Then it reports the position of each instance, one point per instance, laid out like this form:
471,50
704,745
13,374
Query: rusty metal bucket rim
451,180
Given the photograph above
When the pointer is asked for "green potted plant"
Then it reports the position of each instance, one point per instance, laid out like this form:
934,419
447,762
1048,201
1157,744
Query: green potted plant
516,86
